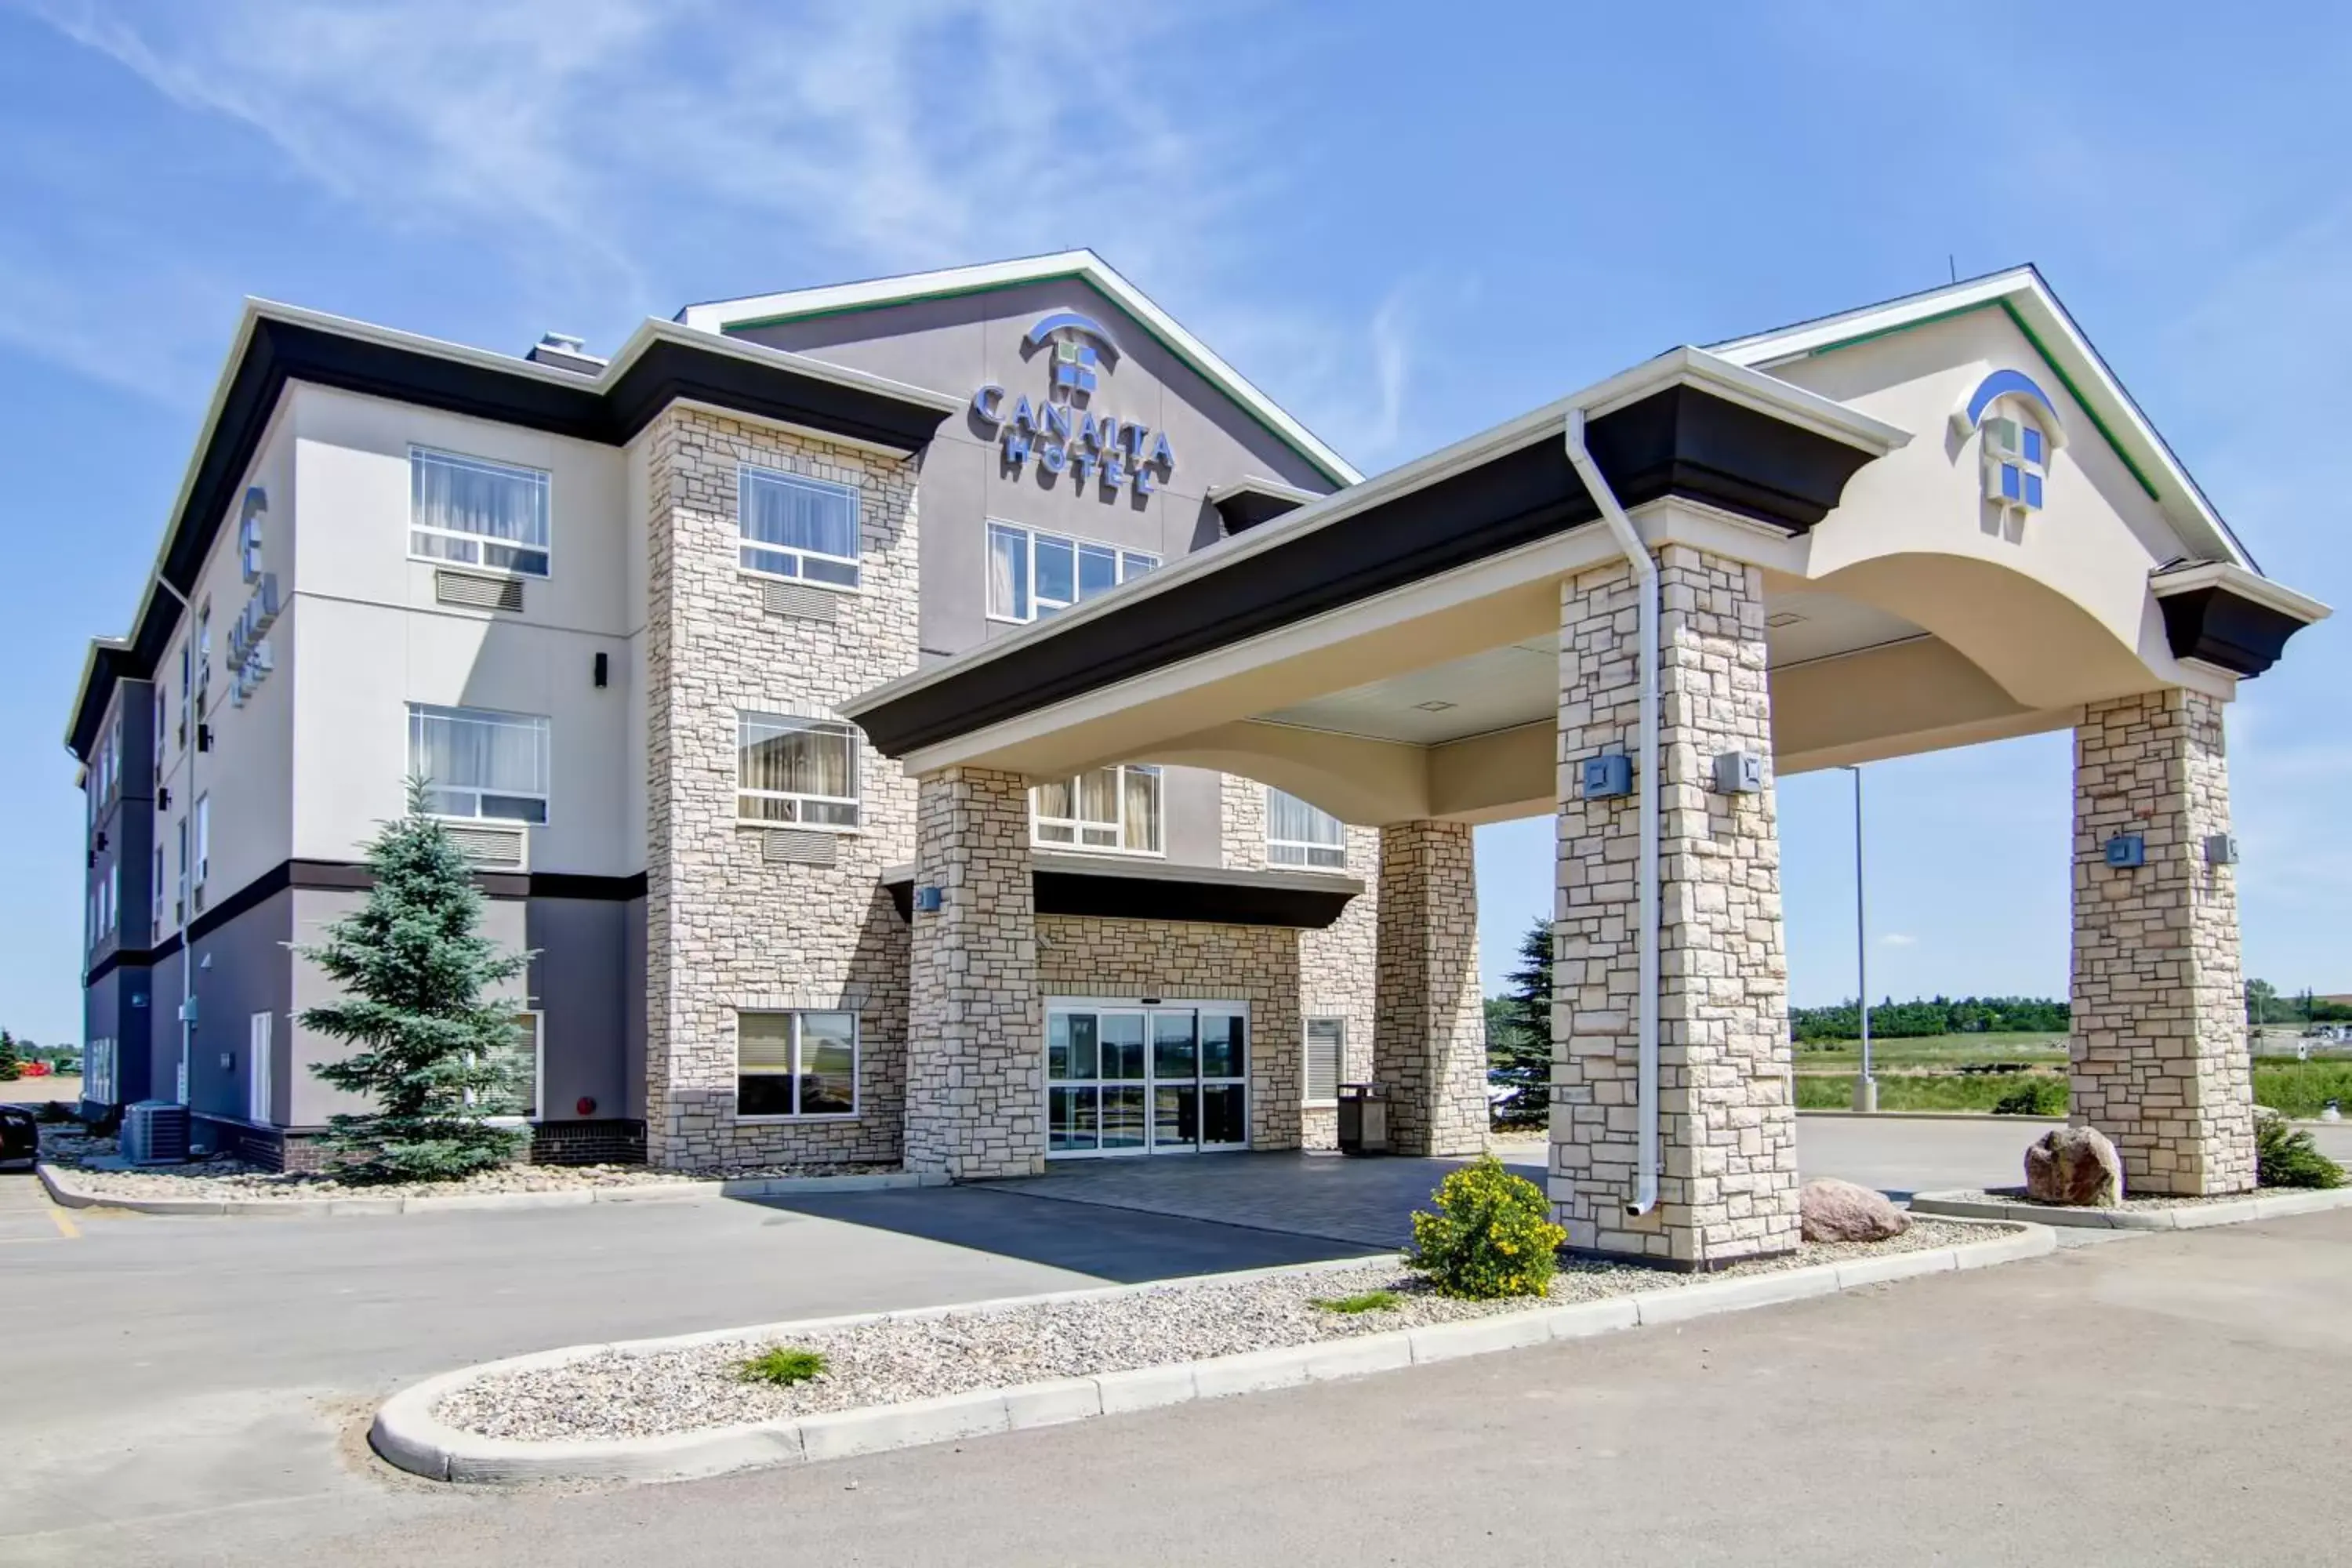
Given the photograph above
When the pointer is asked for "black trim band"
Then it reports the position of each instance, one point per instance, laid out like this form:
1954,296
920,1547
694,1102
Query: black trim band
1163,898
2217,626
277,351
350,876
1682,441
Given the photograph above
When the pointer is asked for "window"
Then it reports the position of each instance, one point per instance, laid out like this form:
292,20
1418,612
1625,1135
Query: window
112,897
155,897
478,763
796,1064
180,732
204,837
2016,459
1115,809
180,909
98,1072
160,730
1327,1058
795,527
1297,834
203,655
477,512
258,1101
1031,575
798,771
525,1061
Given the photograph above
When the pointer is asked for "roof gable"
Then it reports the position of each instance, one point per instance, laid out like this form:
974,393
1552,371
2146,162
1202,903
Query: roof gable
725,316
2020,294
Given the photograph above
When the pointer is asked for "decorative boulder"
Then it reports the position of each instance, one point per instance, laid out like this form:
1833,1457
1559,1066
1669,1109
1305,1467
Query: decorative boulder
2074,1165
1841,1211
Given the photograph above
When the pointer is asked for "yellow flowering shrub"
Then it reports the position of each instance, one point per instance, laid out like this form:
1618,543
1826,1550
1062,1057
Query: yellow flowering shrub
1491,1236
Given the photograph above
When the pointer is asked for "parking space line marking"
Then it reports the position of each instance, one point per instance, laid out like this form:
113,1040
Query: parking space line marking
65,1227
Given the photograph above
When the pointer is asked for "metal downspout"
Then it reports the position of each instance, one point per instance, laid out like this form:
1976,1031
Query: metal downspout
1645,785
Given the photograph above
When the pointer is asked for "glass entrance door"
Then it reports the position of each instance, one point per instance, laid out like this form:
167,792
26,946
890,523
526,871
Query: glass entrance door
1135,1079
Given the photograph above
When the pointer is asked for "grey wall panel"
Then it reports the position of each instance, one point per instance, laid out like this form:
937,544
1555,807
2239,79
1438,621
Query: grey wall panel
1195,817
163,1026
242,967
632,1010
312,1100
577,985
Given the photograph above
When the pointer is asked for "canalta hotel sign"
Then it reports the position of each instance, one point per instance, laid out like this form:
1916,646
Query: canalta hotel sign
1061,430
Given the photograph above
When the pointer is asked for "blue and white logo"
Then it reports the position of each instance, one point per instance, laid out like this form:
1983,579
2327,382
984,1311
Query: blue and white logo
2020,430
1061,429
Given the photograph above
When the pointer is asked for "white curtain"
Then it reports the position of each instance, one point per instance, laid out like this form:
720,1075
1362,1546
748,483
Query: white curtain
798,756
1291,819
1143,809
463,748
1008,572
798,514
486,498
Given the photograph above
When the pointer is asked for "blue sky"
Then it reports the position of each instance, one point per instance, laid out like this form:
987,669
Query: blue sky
1404,232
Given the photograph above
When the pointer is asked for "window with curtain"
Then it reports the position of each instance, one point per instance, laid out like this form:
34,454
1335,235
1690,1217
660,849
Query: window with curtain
517,1097
796,1064
477,512
1116,809
798,771
1297,834
479,764
1327,1058
1031,575
797,527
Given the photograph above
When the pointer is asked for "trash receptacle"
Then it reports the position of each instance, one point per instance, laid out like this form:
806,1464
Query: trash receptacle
1363,1119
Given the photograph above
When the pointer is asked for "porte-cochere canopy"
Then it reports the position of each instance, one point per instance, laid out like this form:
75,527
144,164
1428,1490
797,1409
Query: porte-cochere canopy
1391,652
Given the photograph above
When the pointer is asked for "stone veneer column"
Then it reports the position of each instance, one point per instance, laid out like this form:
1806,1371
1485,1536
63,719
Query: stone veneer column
2159,1049
1429,1046
976,1042
1728,1188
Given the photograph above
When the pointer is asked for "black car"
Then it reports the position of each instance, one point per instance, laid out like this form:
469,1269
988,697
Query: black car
20,1135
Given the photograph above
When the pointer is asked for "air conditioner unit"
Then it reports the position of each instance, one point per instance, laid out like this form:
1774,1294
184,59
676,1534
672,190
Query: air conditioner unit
154,1133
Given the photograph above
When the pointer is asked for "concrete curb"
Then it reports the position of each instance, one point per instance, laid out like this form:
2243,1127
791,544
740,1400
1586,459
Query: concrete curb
406,1434
1938,1116
62,1189
2276,1204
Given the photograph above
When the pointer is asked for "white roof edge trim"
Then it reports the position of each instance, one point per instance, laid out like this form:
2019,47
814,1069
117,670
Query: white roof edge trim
1256,485
2239,580
1810,410
2025,291
717,315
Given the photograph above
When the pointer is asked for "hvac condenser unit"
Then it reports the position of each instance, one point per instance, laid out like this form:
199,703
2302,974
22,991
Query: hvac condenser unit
154,1133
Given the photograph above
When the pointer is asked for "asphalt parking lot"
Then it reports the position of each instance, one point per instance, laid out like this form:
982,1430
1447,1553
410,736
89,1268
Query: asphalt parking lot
192,1390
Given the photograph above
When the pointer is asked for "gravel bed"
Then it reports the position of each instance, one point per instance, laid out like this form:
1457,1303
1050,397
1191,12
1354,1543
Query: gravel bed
612,1395
71,1149
2144,1201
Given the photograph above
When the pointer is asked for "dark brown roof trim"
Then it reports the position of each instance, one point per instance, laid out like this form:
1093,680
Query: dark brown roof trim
1683,441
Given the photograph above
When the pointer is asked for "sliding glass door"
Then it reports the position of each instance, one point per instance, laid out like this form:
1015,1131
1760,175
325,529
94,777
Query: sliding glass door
1125,1078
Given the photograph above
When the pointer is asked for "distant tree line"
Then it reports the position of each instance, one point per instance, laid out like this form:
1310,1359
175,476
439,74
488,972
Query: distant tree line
1892,1020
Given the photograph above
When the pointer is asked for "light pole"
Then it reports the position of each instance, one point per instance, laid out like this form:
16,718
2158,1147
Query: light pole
1865,1088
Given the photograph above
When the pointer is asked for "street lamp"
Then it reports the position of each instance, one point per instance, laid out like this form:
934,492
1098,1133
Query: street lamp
1865,1088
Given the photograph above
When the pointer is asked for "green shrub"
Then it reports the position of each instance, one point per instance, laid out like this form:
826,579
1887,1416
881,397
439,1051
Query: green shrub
1361,1301
2284,1156
2301,1088
2034,1097
1491,1237
783,1366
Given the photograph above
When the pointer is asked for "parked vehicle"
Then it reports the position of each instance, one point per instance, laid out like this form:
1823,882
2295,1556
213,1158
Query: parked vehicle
20,1135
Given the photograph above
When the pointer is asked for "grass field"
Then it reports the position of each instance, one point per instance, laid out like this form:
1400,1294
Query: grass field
1925,1074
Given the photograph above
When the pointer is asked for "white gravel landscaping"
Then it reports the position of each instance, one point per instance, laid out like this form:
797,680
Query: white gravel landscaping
617,1395
70,1148
2144,1203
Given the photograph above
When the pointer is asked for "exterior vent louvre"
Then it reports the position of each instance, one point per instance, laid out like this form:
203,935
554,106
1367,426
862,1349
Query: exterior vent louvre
800,603
477,593
154,1133
496,848
797,848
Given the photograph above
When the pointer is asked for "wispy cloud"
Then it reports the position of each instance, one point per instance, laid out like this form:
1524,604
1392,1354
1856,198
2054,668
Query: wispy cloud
599,153
1898,939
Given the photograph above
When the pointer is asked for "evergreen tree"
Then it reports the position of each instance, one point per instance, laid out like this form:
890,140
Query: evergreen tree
434,1055
12,1065
1519,1052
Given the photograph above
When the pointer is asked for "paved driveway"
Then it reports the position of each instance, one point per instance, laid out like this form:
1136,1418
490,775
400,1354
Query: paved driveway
2166,1399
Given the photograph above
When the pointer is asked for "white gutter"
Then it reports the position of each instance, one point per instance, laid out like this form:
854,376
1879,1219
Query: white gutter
187,914
1645,785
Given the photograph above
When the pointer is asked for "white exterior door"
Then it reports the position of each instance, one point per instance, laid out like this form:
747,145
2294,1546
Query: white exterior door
258,1106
